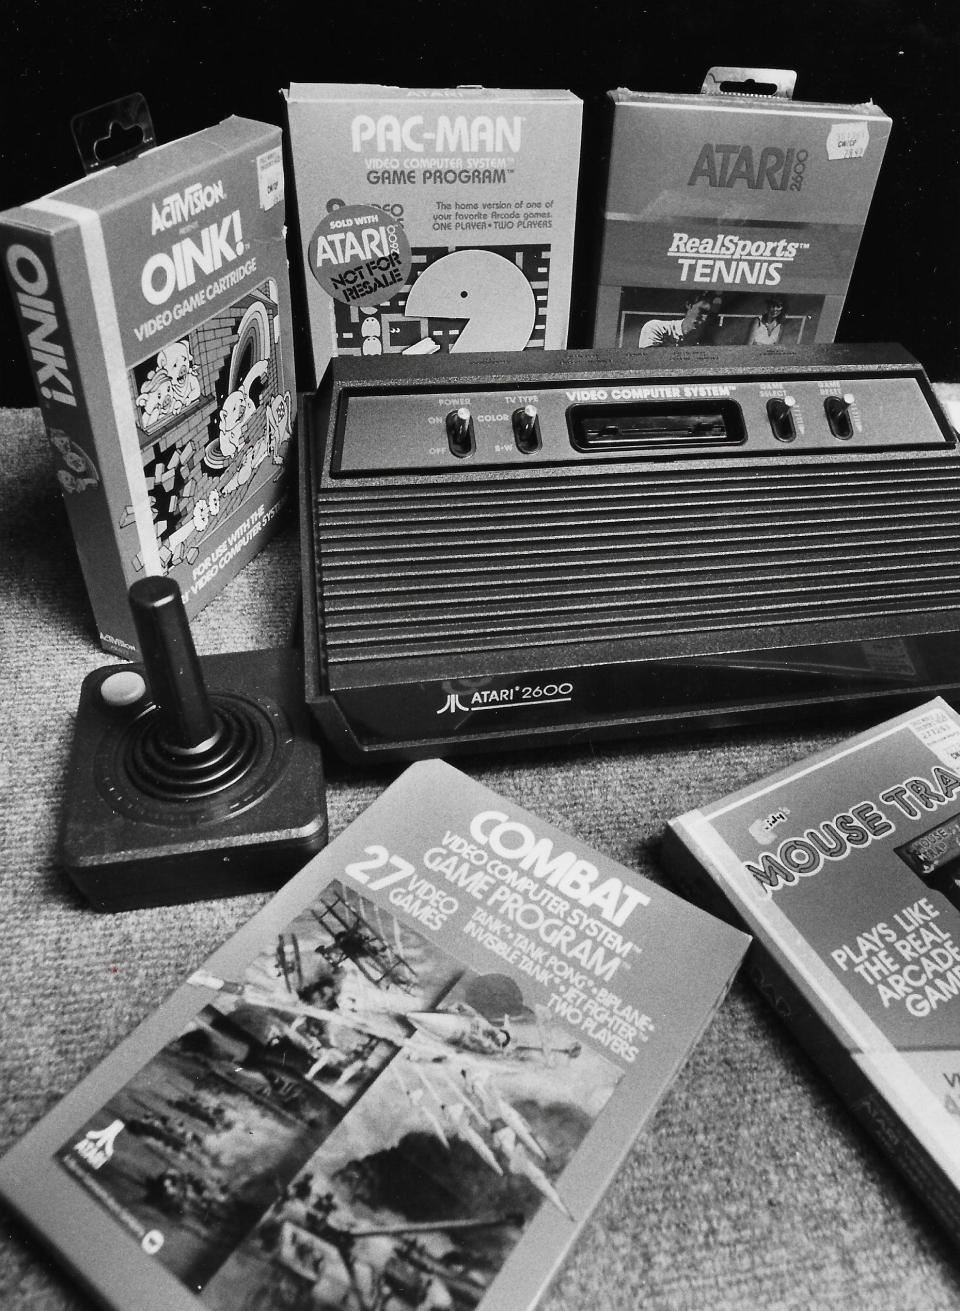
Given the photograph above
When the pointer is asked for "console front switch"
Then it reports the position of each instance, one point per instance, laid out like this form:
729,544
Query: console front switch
460,436
780,413
837,410
526,429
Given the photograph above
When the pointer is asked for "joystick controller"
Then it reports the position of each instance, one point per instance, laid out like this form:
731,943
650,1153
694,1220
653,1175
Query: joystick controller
190,777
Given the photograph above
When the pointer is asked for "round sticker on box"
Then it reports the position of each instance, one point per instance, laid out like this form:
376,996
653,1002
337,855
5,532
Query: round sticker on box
359,254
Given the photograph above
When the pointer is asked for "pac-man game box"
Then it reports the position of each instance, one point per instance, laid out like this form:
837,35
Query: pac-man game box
153,300
732,217
434,220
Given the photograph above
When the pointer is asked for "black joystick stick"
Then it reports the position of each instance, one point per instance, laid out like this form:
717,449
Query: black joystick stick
190,777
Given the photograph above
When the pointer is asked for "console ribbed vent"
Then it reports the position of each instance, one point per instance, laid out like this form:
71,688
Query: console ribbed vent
519,563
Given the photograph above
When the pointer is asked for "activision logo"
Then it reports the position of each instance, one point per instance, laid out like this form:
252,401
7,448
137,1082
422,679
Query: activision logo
96,1147
182,206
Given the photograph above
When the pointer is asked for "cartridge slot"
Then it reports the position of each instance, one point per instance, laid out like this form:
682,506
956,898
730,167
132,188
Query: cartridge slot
636,428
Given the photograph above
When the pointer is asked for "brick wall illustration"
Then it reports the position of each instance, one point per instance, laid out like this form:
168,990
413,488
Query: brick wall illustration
190,483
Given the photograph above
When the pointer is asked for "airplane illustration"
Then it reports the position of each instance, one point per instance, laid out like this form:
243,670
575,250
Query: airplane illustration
458,1104
461,1028
457,1030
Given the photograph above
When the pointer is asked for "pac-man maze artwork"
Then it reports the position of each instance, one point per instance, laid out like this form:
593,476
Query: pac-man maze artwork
479,299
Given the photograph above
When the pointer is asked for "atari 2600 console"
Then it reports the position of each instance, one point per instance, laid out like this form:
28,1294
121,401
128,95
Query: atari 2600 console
558,546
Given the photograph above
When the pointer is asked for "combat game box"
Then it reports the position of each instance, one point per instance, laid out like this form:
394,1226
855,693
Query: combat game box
732,217
404,1083
434,220
846,869
153,300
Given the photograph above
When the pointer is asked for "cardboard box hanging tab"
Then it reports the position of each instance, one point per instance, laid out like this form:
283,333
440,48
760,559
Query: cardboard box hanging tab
112,134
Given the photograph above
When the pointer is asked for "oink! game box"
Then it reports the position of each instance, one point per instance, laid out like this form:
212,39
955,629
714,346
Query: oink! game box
153,299
434,220
846,869
732,217
404,1084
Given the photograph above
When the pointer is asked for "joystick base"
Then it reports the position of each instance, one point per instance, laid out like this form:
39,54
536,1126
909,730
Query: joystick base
126,842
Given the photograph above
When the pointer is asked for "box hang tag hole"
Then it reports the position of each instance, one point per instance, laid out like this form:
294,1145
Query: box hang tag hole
113,133
772,83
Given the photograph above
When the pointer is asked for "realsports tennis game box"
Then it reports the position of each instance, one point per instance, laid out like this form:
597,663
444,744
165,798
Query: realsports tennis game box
153,299
434,220
846,869
732,217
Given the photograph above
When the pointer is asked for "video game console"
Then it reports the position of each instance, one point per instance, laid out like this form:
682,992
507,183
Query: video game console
519,549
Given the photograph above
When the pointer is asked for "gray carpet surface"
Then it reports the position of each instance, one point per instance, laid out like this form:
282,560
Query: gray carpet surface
751,1188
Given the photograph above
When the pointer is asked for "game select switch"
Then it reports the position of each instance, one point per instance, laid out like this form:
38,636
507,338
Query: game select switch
434,220
154,305
846,868
405,1083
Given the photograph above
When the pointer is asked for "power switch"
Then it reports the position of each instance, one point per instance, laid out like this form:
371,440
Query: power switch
837,410
526,429
780,413
460,435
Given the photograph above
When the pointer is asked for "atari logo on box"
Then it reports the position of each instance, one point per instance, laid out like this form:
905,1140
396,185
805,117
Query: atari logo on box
96,1146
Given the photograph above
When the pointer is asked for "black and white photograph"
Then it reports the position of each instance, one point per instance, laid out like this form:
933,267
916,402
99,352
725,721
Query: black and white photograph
480,760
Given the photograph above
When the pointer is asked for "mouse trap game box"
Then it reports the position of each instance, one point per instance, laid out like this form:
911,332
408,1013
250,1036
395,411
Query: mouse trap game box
732,217
434,220
846,869
153,299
